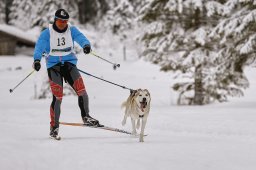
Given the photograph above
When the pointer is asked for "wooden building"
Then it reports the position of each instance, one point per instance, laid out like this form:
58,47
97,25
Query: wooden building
10,37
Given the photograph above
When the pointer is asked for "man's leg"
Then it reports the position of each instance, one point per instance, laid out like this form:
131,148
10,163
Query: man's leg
56,84
74,78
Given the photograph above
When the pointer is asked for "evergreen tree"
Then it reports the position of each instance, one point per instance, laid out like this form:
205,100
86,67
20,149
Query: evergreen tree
236,34
91,11
27,14
5,10
2,12
177,38
122,16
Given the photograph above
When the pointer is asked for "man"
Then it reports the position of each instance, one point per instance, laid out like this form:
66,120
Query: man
57,42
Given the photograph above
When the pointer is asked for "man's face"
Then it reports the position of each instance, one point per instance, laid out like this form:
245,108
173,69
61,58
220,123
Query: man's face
61,24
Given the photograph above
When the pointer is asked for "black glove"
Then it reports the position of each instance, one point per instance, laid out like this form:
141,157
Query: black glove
87,49
37,65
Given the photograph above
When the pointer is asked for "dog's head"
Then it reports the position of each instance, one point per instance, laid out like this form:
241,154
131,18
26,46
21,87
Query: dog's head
142,98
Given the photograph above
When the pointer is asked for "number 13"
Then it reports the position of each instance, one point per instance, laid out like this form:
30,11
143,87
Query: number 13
61,42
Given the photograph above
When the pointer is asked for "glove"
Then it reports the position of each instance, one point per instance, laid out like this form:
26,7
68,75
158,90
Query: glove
37,65
87,49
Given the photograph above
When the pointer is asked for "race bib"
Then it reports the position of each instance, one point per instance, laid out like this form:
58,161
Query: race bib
61,44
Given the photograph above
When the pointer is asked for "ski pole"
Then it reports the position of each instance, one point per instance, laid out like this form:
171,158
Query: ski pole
114,64
104,80
11,90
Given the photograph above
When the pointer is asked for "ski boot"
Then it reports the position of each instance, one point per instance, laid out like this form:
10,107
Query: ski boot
89,121
54,133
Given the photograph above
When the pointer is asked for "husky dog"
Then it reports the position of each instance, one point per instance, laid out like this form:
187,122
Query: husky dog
137,106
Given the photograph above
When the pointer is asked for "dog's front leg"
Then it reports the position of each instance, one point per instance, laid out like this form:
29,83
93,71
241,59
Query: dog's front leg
138,124
124,120
144,120
133,127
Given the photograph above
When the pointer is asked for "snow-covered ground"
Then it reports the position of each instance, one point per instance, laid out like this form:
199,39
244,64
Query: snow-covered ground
213,137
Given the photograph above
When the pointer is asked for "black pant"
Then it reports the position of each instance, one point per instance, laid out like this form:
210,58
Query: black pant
70,74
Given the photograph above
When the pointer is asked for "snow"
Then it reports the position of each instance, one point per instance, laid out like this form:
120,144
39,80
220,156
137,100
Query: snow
200,36
248,46
216,136
26,35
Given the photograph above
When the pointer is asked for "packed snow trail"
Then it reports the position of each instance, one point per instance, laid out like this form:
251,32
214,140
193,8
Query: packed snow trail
216,136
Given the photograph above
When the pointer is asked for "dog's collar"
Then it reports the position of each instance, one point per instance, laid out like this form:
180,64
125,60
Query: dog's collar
141,116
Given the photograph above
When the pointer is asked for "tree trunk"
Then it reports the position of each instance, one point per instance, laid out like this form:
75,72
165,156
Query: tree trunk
91,10
87,11
199,96
8,4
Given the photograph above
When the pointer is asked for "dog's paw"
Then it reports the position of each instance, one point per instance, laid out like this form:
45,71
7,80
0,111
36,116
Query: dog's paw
141,137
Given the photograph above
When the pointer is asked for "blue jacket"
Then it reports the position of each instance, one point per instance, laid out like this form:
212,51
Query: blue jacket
42,47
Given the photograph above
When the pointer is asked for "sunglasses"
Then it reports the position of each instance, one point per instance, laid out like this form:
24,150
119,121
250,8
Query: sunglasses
60,21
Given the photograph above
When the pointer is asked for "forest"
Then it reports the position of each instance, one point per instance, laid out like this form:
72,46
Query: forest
205,43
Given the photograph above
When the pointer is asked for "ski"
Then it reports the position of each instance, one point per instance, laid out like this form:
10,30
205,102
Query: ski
97,127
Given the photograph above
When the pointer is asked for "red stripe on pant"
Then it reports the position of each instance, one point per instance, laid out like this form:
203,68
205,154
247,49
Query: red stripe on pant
52,115
79,86
57,90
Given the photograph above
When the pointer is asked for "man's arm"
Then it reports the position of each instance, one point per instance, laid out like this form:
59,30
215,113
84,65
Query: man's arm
41,44
79,37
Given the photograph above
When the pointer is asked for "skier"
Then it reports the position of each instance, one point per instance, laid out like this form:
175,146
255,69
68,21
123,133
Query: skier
57,42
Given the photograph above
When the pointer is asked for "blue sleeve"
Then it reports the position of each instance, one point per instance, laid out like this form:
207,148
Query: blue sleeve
78,37
41,45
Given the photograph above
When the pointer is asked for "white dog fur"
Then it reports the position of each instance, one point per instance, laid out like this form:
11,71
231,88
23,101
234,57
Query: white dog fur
137,106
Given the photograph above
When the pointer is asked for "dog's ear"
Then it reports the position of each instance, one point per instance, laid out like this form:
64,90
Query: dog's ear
148,95
133,92
147,91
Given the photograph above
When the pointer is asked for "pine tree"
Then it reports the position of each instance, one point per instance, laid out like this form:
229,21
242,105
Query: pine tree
5,10
177,38
2,12
27,14
122,16
90,11
121,21
236,34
